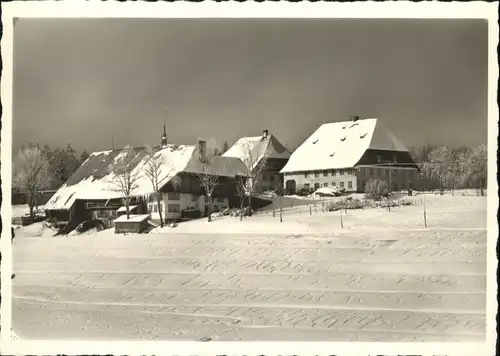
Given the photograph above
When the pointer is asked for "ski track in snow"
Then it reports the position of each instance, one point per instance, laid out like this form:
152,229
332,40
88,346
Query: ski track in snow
350,285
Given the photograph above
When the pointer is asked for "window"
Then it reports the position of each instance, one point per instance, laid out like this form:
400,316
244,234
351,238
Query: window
264,177
333,172
349,184
325,185
155,208
395,158
379,158
363,183
316,174
341,184
150,208
307,186
334,184
306,174
370,171
325,173
316,186
271,178
341,172
174,196
194,198
151,198
220,200
174,208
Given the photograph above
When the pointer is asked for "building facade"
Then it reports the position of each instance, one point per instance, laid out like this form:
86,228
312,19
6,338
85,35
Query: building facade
264,153
91,192
349,154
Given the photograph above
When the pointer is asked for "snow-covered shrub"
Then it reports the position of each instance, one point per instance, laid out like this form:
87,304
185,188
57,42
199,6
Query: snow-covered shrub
406,201
346,203
376,189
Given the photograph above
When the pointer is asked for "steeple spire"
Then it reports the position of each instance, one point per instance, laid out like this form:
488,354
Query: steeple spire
164,136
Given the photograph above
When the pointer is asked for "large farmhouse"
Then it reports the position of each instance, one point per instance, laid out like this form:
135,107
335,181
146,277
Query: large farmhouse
347,155
91,192
263,150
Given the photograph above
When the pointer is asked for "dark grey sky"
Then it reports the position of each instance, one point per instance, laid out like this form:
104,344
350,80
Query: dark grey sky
82,81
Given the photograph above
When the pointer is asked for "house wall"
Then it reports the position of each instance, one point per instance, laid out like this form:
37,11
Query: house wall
344,178
172,205
400,177
271,179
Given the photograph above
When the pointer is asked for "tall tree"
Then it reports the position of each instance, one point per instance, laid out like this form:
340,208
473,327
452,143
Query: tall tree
125,177
440,166
84,156
31,173
209,170
475,168
255,163
225,148
157,172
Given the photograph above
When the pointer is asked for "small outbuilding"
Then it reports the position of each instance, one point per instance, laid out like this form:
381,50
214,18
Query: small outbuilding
135,224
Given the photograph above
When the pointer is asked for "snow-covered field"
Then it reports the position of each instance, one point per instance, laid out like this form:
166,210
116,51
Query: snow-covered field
383,277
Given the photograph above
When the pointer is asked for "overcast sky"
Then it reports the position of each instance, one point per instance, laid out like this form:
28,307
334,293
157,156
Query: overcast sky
83,81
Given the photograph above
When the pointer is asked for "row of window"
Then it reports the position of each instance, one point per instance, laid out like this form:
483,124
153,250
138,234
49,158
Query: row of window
385,172
172,208
332,172
325,185
394,159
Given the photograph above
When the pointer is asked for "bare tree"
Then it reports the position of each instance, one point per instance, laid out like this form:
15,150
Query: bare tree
241,188
208,174
125,178
474,165
440,166
157,172
31,173
255,162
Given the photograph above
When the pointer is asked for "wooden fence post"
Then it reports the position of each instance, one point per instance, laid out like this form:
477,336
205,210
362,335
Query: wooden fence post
310,210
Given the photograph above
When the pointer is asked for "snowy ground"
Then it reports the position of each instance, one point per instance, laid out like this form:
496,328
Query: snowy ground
383,277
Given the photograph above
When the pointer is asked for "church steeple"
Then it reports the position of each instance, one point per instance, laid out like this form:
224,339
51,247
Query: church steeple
164,136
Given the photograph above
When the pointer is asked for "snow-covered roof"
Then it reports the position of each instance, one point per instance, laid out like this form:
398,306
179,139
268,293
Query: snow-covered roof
341,145
251,150
132,218
124,208
93,179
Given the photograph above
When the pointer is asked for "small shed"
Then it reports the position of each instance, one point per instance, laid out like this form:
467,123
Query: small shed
135,224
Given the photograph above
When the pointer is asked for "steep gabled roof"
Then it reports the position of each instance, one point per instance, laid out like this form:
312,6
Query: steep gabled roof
341,145
93,180
253,149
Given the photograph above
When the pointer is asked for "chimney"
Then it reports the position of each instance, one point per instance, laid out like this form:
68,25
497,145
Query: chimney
164,137
265,133
356,118
202,146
